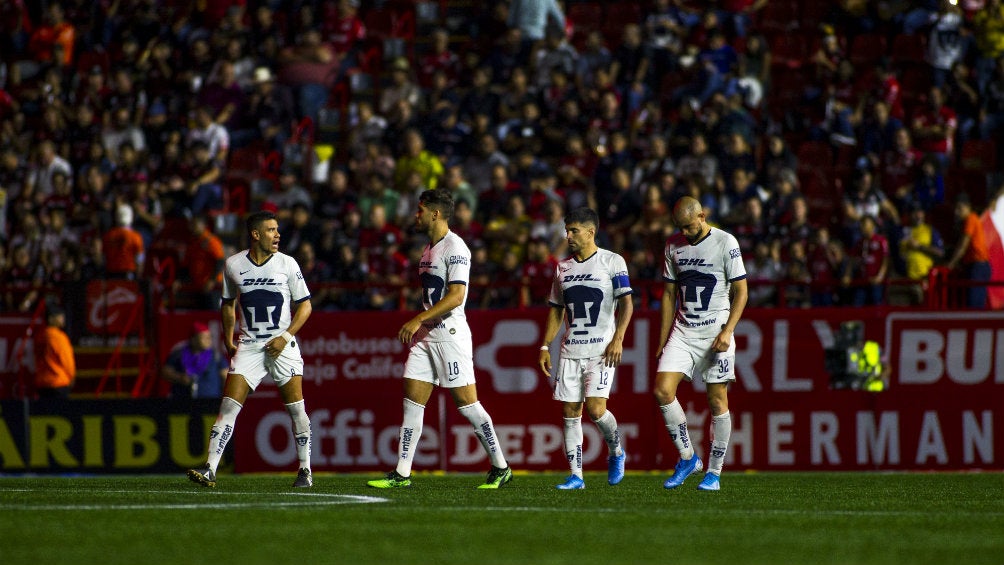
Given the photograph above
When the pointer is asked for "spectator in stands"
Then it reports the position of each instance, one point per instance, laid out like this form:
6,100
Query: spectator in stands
988,25
764,270
55,235
309,68
39,180
946,42
862,199
877,133
194,367
401,87
509,231
317,273
201,270
55,364
415,158
207,131
223,95
532,18
900,168
820,269
122,246
934,126
22,280
698,161
197,186
440,58
992,109
871,256
971,255
55,40
345,33
920,247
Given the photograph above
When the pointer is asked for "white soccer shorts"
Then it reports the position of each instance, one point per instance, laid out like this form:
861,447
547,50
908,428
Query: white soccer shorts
252,363
694,356
578,379
444,363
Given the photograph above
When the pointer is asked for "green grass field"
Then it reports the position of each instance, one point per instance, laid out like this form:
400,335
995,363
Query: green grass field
768,518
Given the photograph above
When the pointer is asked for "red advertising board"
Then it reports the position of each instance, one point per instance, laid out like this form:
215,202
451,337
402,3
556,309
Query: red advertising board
942,410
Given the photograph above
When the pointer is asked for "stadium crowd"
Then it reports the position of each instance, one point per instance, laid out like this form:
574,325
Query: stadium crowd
828,136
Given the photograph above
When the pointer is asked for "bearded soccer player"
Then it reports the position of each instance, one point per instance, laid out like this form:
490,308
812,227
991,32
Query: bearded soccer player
704,300
588,287
442,352
275,304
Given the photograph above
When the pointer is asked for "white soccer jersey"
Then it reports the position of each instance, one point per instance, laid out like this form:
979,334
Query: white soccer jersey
265,293
445,262
589,291
703,273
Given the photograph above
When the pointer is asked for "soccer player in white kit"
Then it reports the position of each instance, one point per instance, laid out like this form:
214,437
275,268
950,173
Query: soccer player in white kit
442,352
275,303
587,287
704,300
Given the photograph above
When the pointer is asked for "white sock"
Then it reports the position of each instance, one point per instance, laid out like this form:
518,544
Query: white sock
721,431
573,444
483,427
676,423
608,426
222,430
301,432
411,431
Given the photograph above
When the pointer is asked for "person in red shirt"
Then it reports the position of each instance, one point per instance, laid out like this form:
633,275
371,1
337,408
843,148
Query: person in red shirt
441,58
900,167
971,252
202,265
872,256
934,126
55,365
538,272
55,40
123,246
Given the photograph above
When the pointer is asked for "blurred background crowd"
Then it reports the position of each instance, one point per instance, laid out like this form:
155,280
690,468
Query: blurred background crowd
845,143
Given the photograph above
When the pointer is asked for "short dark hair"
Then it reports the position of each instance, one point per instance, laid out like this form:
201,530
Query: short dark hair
438,199
583,216
255,220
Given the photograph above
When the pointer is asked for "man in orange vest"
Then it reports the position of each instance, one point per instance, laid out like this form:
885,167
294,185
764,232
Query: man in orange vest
55,366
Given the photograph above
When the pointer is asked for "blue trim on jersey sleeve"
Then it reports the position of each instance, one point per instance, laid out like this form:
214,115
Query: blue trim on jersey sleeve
623,294
555,304
667,279
459,282
302,299
737,278
621,281
231,299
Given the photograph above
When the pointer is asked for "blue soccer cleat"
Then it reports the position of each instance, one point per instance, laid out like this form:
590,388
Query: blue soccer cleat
573,482
710,482
615,468
683,470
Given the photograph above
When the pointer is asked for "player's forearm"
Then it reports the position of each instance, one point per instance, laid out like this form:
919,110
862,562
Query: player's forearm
740,295
668,311
453,299
300,317
228,320
625,309
553,323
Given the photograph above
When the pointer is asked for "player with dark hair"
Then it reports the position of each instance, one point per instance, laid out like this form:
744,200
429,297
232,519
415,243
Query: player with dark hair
704,300
442,351
587,288
275,304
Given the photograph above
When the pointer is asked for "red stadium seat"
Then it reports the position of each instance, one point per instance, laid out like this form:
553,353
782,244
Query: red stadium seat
778,16
815,155
867,49
908,49
586,15
979,155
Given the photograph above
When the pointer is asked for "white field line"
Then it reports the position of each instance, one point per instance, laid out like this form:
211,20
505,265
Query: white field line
263,500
